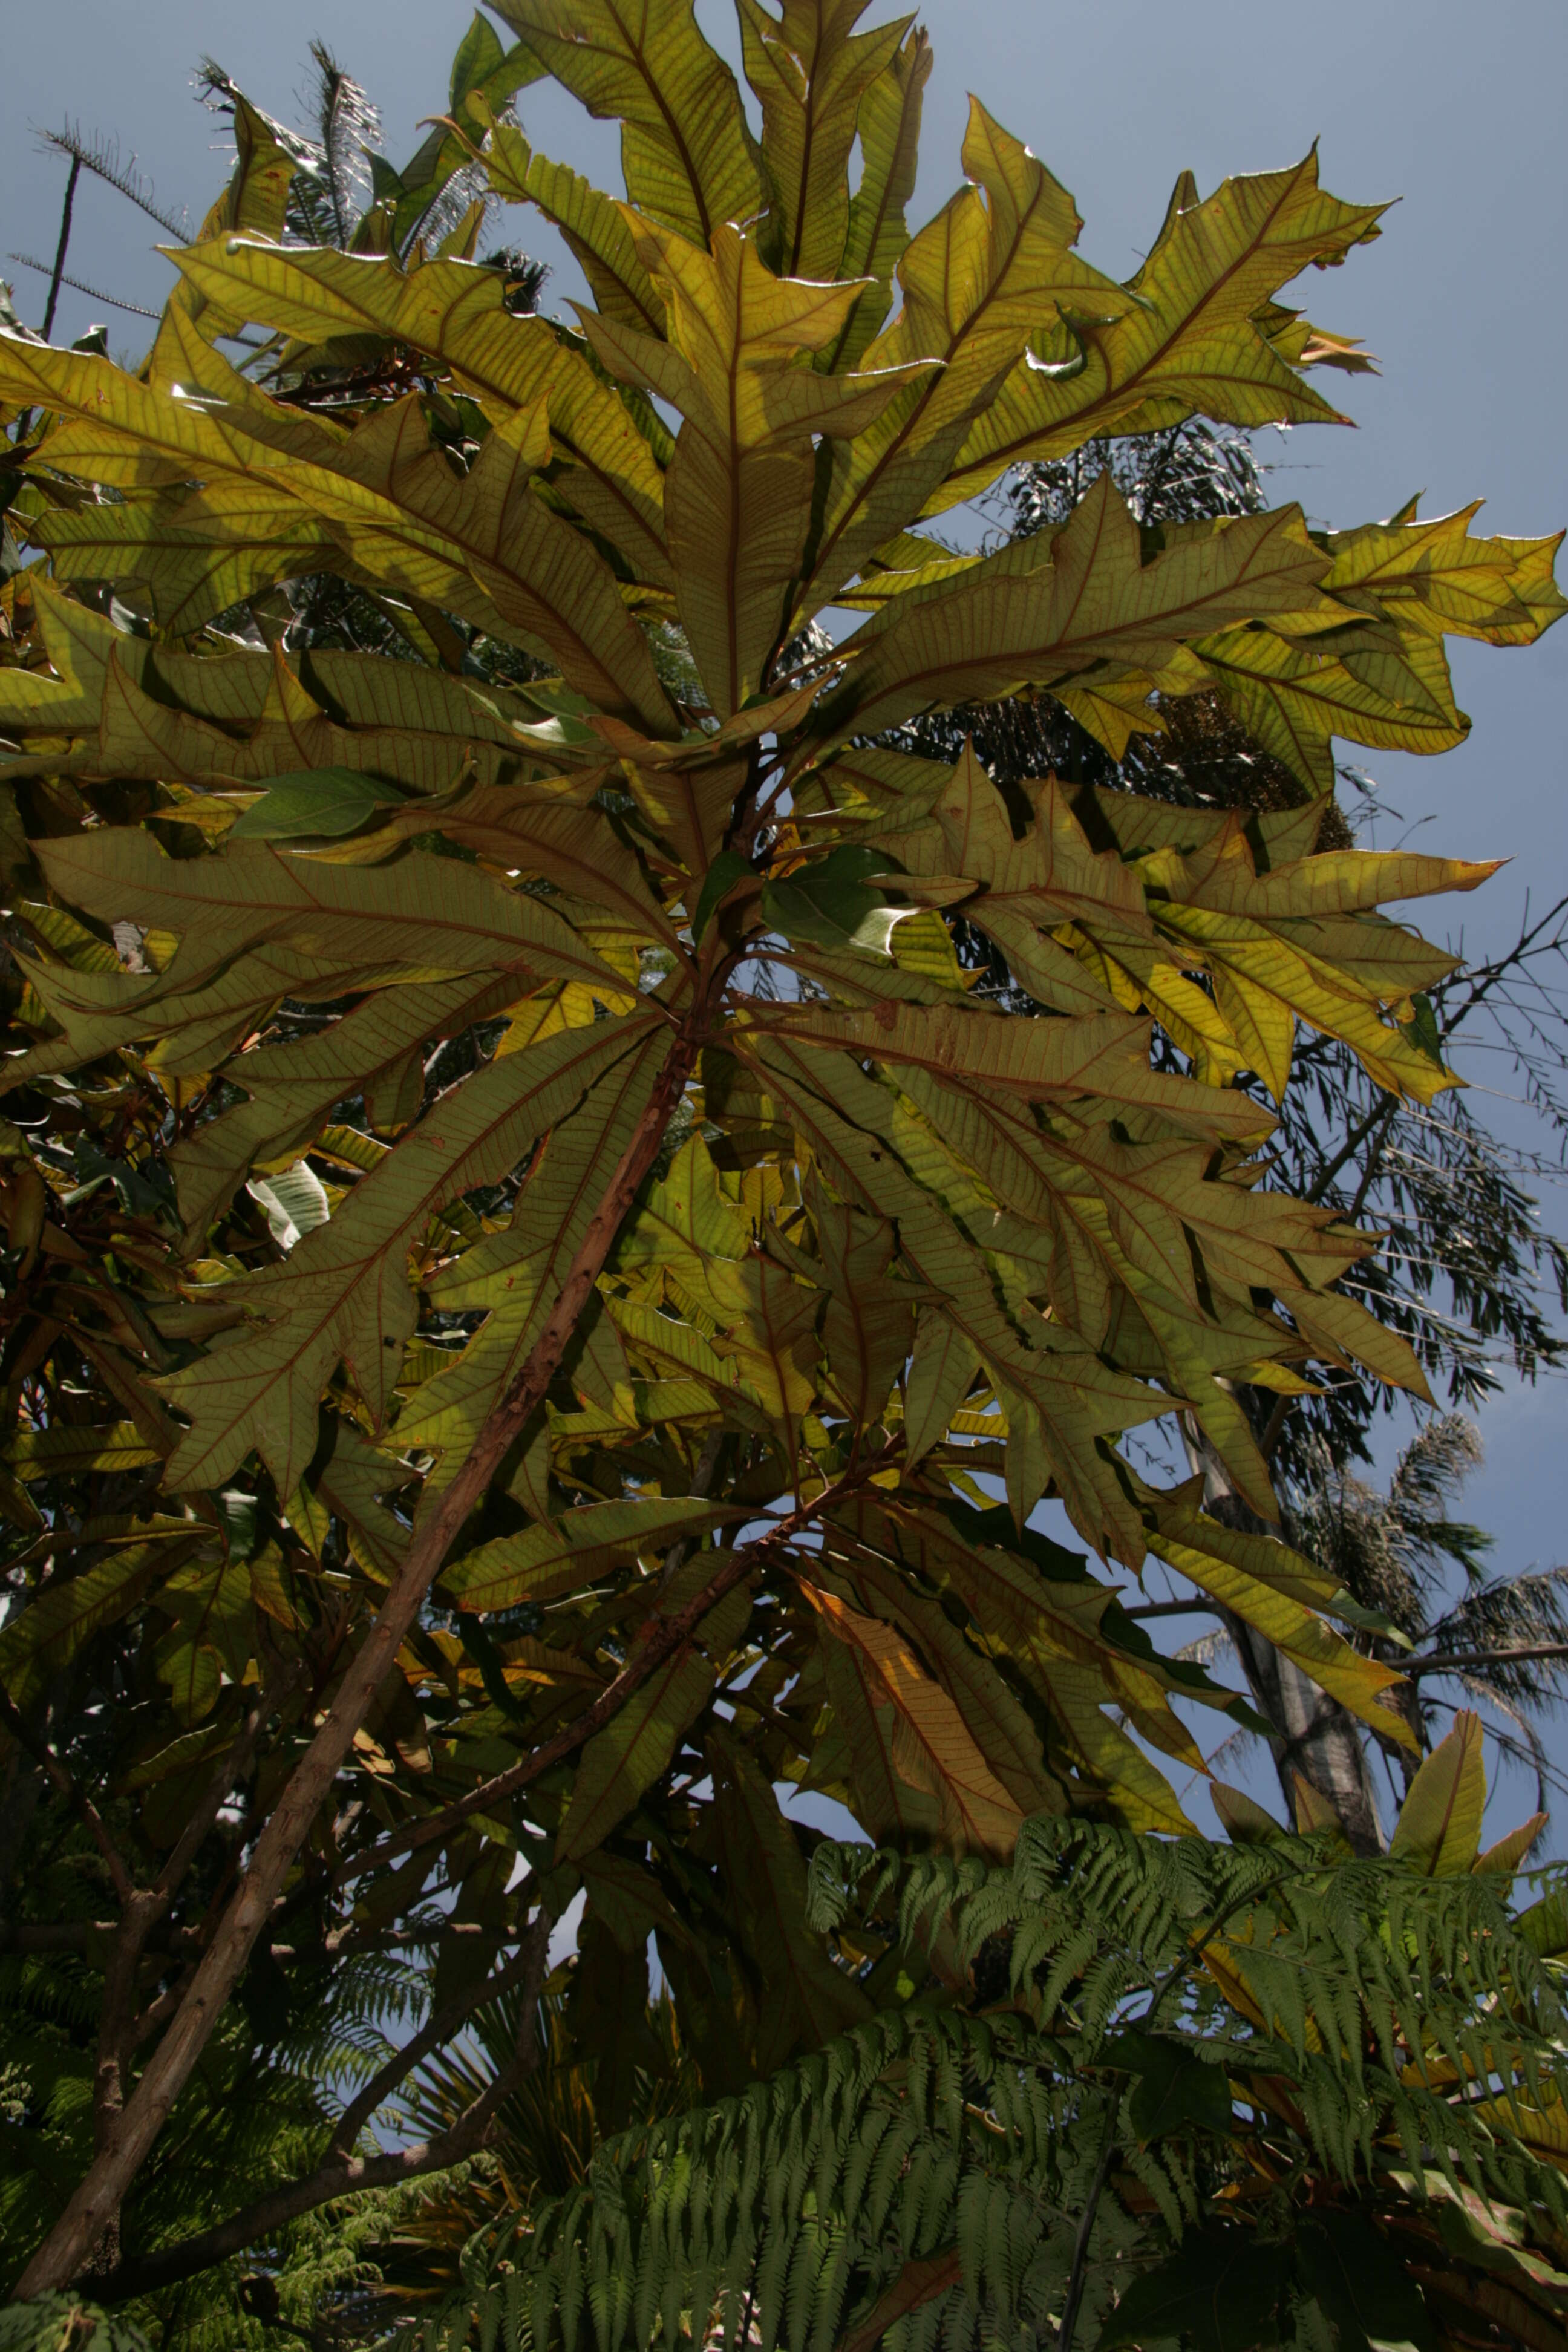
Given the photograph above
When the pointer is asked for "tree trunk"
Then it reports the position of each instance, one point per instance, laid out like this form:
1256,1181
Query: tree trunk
1314,1735
1317,1738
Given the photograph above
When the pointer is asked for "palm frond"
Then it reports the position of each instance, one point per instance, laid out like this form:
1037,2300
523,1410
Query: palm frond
102,157
347,124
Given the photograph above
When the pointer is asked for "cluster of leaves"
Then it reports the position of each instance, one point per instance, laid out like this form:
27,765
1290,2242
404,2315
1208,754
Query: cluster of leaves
1224,2093
1464,1254
1460,1271
546,2133
584,1253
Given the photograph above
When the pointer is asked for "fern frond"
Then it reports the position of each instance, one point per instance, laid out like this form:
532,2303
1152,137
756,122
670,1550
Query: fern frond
1354,2011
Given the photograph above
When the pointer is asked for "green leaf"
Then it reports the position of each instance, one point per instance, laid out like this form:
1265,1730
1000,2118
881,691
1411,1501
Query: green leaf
1175,2090
1023,618
728,869
295,1201
39,1644
739,489
810,70
619,1762
513,1276
889,126
1422,1029
574,1550
1221,2292
1360,2284
313,801
62,2323
478,54
1193,338
343,1290
1438,1831
595,230
831,904
68,1452
609,2005
1544,1926
814,1998
687,156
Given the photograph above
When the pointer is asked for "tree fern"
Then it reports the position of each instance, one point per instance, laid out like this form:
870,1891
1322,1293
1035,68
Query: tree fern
1227,2022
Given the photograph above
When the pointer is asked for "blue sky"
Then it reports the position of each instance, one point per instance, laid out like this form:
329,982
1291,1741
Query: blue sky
1455,109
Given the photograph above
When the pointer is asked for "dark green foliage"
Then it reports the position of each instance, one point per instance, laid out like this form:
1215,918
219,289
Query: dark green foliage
1257,2032
64,2322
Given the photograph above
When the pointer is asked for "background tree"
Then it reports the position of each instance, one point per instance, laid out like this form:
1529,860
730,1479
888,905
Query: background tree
612,1235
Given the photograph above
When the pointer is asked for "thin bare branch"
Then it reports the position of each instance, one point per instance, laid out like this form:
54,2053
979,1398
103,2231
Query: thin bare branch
102,157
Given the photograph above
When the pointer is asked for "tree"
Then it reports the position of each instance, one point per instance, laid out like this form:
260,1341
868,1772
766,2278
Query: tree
1503,1640
613,1242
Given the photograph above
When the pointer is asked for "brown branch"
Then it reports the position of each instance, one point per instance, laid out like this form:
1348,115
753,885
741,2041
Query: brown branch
437,2029
158,2011
1464,1661
97,2196
122,2026
1274,1426
349,2175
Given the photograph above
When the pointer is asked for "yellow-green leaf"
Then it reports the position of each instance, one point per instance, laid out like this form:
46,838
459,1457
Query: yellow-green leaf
687,157
1439,1827
571,1552
810,70
619,1762
1048,607
1191,341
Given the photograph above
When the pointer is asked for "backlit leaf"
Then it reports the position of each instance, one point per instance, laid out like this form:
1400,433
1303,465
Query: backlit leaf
1439,1827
